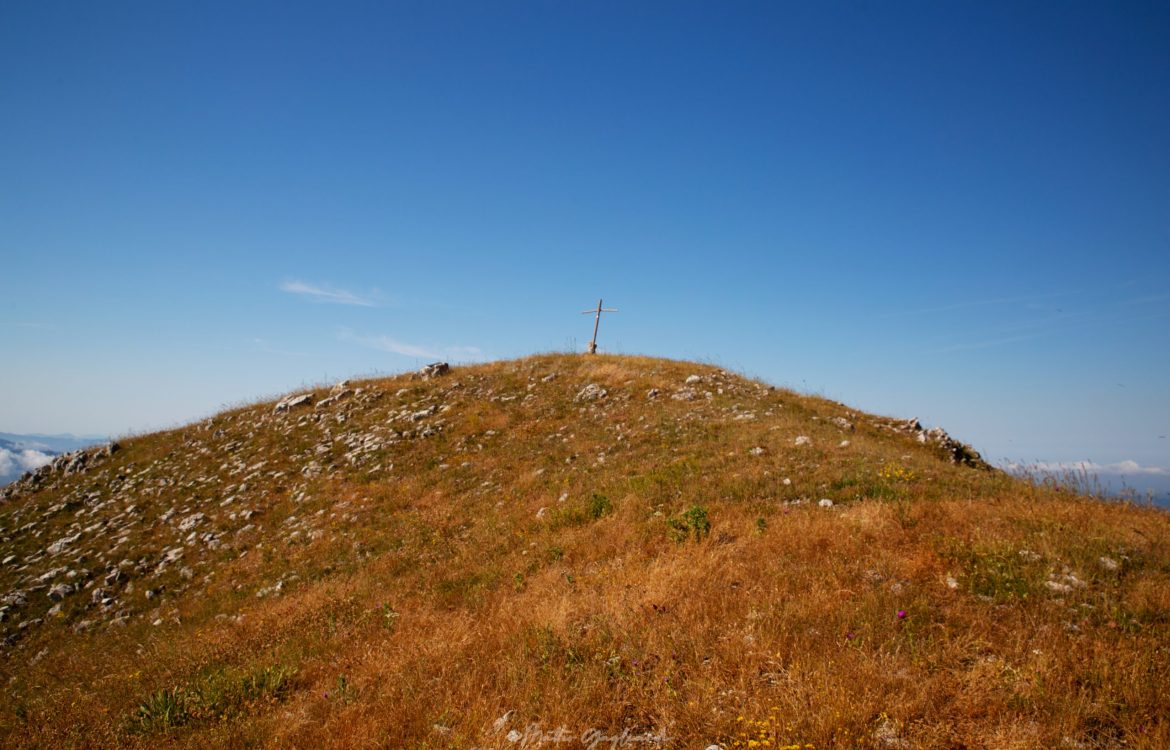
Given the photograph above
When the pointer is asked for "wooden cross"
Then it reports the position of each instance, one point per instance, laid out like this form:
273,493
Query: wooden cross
596,323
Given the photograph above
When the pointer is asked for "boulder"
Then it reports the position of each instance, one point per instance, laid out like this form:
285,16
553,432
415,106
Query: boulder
591,392
434,370
291,402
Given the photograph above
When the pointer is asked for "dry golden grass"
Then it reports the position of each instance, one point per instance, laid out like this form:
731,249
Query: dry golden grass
440,597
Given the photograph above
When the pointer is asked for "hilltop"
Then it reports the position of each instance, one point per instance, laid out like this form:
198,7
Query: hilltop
571,550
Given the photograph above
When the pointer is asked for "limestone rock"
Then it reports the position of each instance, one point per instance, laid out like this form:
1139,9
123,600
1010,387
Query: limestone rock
292,402
434,370
591,392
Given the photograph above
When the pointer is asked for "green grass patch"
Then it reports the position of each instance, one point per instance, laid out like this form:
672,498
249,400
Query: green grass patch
1000,572
220,695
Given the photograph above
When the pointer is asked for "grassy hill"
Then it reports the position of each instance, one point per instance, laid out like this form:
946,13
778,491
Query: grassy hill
575,551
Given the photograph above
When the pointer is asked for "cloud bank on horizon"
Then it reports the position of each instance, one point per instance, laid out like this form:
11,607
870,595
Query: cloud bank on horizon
14,463
1125,468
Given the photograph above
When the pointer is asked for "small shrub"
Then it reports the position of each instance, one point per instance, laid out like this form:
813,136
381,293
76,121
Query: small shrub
599,505
693,522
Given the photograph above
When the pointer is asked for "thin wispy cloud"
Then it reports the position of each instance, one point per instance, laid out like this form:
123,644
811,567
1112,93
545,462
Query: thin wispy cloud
327,293
390,344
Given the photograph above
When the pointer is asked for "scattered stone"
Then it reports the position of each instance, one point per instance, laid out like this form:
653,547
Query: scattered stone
803,440
1064,582
885,734
60,591
62,544
1109,563
825,502
757,451
292,402
591,392
192,521
692,379
653,393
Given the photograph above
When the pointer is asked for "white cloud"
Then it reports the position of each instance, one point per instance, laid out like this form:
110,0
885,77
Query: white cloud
1128,468
15,463
326,293
394,346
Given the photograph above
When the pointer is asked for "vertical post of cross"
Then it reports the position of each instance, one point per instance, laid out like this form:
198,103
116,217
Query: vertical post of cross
596,323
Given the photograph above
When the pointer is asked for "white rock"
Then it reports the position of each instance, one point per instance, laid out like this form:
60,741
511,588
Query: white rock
192,521
825,502
803,440
692,379
591,392
62,544
1109,563
292,402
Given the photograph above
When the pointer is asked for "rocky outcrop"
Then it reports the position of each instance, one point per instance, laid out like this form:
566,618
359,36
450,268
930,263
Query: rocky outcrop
433,370
958,452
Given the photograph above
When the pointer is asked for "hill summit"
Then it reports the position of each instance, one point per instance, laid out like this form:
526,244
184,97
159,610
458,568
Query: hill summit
572,551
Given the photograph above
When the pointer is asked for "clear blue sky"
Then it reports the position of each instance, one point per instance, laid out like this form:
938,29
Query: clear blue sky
956,211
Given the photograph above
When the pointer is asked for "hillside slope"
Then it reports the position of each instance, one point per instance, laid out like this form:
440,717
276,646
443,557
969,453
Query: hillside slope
568,550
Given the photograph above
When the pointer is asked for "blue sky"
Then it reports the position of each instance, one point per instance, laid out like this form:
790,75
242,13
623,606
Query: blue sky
956,211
